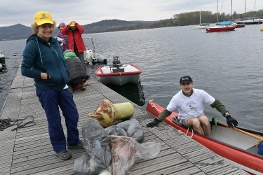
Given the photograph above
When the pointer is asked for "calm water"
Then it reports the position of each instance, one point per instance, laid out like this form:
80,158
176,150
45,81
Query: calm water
227,65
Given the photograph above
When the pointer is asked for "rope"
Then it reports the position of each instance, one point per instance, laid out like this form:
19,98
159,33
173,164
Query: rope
6,123
151,103
191,136
188,131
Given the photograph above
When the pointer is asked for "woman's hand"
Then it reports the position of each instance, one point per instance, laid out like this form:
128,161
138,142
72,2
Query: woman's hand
45,76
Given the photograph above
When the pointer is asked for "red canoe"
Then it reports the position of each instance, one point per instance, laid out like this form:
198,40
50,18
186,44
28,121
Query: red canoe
237,145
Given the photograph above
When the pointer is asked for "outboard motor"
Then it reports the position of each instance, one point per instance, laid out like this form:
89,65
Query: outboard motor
92,57
98,58
116,62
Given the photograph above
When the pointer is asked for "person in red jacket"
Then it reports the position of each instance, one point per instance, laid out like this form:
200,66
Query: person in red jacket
75,41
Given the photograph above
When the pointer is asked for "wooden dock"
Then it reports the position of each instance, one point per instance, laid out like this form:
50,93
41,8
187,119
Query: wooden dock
28,150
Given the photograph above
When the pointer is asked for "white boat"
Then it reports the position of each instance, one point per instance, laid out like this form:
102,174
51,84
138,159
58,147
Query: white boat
250,21
201,25
92,57
118,74
2,61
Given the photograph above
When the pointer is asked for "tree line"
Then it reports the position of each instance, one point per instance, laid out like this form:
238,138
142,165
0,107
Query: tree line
182,19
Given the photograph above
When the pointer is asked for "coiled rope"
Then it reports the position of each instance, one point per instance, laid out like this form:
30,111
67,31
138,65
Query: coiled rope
6,123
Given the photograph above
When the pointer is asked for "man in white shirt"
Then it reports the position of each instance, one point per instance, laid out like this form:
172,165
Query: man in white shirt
189,103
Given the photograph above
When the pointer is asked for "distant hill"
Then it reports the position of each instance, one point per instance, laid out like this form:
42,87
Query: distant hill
20,31
114,25
15,32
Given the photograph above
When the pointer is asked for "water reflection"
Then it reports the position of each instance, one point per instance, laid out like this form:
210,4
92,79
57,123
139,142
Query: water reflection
133,92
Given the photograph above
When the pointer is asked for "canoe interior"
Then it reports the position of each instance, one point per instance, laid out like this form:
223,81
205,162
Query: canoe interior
234,138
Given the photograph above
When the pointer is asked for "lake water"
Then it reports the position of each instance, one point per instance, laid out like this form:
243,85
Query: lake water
228,65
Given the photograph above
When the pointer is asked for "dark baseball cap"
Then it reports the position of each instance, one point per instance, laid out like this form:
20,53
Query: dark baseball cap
186,79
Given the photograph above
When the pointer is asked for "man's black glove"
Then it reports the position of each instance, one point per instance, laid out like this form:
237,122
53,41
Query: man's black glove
231,121
154,123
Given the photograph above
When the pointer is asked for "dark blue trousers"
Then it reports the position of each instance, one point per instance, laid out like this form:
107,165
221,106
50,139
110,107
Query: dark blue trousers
51,101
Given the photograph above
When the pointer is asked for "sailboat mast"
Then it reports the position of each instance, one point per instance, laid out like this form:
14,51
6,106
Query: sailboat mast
231,8
245,6
200,17
200,14
217,11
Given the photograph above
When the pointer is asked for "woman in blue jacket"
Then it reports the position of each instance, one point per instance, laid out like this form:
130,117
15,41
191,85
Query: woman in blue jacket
43,60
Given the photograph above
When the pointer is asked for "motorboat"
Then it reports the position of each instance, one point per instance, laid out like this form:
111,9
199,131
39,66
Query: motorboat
118,74
236,144
92,57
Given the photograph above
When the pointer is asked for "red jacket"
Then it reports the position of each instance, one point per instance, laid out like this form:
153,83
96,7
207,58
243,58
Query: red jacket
76,36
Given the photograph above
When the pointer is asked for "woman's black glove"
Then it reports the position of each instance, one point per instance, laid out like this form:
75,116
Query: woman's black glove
231,121
154,123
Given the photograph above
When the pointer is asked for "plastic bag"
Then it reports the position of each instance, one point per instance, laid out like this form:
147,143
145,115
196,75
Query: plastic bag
147,150
101,147
115,130
84,165
123,150
126,150
130,128
98,155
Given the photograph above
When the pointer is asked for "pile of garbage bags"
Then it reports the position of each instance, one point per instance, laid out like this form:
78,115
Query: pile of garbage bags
116,148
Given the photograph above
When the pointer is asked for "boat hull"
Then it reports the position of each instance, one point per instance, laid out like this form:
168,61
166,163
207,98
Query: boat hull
120,80
119,76
220,29
249,22
251,163
239,25
199,27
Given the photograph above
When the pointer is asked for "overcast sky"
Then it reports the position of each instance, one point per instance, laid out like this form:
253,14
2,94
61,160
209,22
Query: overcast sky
89,11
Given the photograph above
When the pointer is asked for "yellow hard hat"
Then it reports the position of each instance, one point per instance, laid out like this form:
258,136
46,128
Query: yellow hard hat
72,24
42,17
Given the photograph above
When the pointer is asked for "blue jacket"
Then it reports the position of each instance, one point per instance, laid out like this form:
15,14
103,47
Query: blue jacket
41,56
